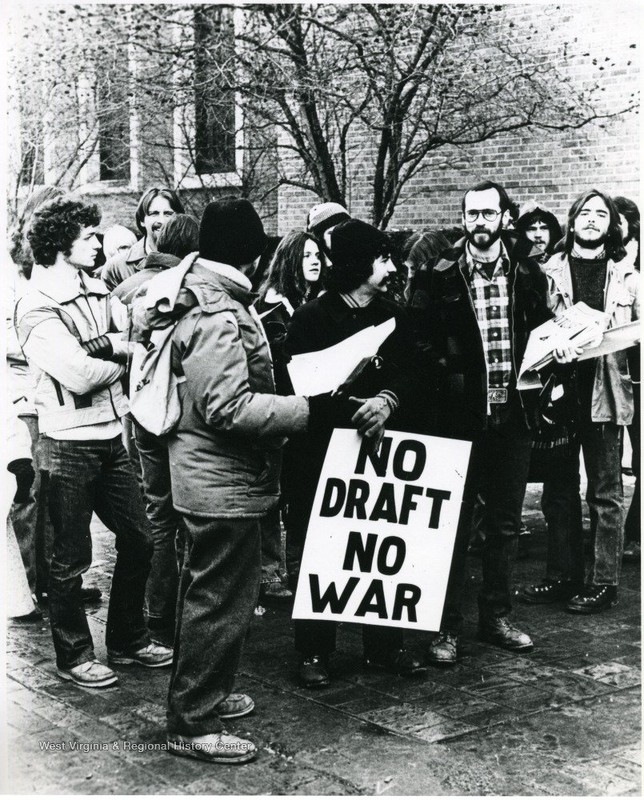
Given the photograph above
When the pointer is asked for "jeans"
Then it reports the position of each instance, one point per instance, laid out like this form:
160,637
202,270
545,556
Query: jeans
166,529
218,593
601,446
561,507
632,530
498,471
95,476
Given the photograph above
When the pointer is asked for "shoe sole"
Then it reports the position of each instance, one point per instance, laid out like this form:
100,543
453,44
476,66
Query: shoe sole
578,610
200,755
441,662
94,685
236,714
125,661
522,648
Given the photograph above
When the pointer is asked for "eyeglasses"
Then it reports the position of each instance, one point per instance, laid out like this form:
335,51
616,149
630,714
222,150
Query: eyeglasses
488,214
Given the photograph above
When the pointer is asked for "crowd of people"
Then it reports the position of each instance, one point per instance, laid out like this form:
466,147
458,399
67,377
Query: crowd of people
214,455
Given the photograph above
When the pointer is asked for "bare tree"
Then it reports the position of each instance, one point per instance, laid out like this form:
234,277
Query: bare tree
326,90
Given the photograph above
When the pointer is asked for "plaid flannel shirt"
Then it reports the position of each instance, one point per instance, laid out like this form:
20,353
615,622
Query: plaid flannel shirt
491,303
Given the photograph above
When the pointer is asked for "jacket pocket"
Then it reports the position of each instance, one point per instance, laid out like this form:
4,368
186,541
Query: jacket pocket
267,481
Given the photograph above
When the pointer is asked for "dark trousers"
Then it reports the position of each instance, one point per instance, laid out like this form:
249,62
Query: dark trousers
317,637
561,506
31,522
167,531
218,592
498,471
272,547
95,476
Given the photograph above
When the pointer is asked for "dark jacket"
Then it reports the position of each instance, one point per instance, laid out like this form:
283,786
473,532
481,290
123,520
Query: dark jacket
324,322
450,343
151,266
225,453
120,267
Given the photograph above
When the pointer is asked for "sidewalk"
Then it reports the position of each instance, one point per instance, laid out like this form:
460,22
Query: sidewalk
562,720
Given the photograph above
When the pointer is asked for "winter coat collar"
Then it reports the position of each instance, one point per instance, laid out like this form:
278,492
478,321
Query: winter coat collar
66,287
137,254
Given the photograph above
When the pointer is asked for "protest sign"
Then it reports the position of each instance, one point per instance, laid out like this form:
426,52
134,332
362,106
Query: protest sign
382,530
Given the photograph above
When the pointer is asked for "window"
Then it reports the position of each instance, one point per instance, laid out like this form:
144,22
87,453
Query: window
113,125
214,102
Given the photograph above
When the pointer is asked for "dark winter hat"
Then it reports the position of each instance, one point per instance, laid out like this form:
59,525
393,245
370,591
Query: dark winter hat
325,216
357,242
231,232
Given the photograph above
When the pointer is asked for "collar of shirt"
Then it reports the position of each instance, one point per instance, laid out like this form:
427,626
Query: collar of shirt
351,301
501,263
63,285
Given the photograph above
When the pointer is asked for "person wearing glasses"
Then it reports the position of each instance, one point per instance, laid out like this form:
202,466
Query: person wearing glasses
473,308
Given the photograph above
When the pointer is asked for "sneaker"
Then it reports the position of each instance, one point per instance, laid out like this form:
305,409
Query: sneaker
398,662
152,655
218,748
442,651
235,705
90,674
547,592
314,672
593,599
499,631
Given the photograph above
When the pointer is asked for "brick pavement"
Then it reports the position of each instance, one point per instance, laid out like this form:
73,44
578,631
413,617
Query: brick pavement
562,720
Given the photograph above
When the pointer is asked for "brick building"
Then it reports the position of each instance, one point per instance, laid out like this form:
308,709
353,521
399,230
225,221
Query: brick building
593,42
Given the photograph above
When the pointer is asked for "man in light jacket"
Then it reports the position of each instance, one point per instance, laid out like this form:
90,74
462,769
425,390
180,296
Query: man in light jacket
63,325
592,269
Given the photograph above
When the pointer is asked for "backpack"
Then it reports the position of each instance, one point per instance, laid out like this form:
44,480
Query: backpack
154,393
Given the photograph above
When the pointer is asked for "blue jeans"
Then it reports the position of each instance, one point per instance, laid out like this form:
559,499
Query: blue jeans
218,593
95,476
272,547
166,529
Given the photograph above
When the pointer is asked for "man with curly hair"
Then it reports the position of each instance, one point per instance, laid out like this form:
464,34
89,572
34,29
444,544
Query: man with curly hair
63,325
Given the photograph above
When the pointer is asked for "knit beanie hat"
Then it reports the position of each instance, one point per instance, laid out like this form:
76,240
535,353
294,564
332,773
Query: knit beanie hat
356,242
325,216
231,232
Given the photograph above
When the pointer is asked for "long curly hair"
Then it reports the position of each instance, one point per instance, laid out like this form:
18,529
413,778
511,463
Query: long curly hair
285,273
56,225
19,248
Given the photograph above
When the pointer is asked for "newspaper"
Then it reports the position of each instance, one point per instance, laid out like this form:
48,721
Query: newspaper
325,370
577,326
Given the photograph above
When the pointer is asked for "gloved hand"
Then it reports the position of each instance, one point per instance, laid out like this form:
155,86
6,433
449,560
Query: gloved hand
327,411
101,347
24,472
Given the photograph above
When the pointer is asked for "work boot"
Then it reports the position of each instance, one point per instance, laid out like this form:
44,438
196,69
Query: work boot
499,631
314,672
442,651
547,592
593,599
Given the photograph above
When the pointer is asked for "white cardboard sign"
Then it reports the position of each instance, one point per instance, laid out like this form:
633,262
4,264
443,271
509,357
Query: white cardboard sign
382,530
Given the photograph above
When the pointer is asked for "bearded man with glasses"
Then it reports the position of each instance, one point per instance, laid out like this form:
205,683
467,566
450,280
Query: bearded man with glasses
473,309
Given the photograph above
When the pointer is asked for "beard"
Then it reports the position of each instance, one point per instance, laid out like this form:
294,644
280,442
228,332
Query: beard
483,239
590,244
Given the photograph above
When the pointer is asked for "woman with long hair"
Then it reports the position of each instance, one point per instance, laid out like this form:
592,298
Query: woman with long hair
295,275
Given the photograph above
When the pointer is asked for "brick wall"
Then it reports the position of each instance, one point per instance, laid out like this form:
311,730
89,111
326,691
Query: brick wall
589,42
